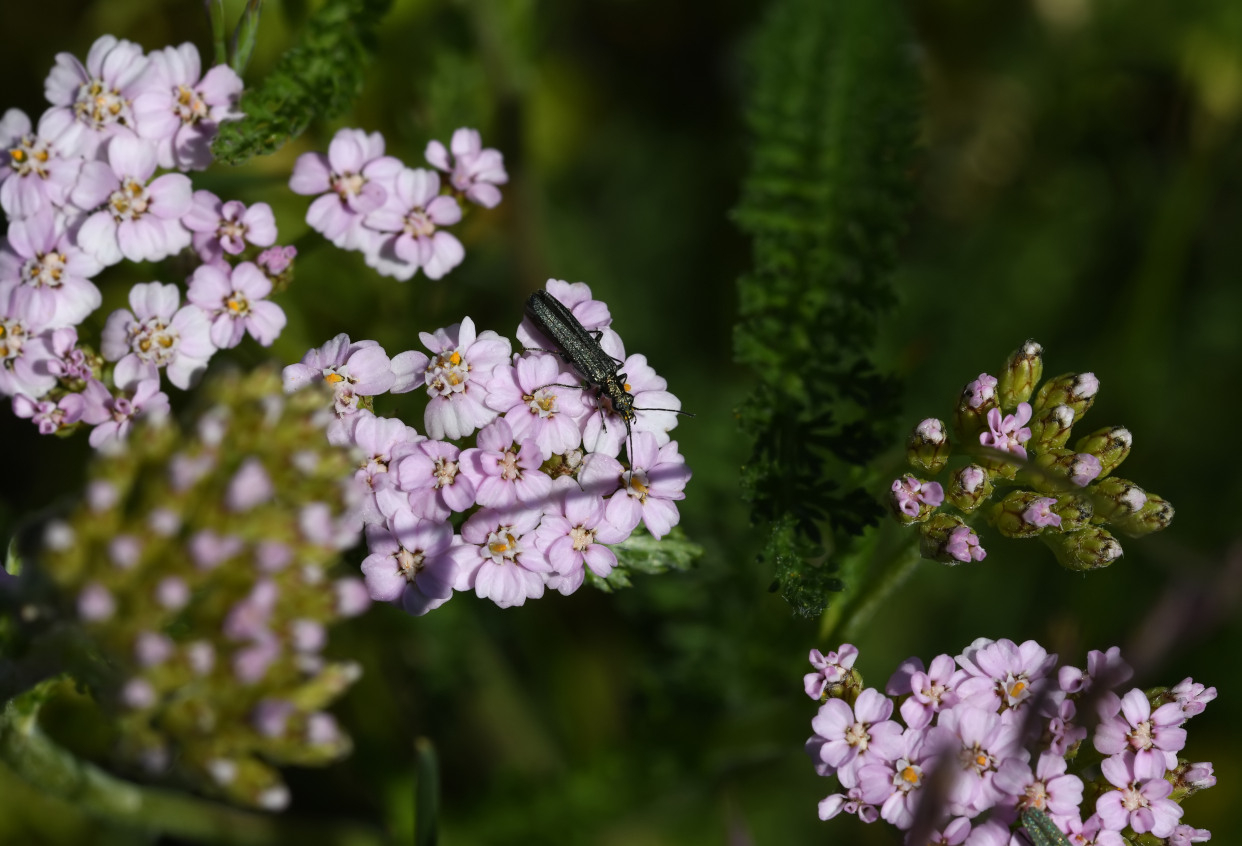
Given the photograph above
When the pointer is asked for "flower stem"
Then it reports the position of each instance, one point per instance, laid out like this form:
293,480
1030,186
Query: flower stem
37,759
891,575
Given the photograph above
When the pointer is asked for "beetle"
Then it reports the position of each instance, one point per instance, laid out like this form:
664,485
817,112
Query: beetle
581,348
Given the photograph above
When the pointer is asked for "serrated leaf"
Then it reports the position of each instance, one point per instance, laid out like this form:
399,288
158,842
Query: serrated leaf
318,79
641,553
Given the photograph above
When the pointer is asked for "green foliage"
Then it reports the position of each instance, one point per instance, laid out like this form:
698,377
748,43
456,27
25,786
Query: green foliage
641,553
832,112
318,79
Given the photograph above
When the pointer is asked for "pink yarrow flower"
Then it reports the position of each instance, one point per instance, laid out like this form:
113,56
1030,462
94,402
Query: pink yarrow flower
572,535
410,562
1191,696
1010,433
22,346
97,97
1049,788
895,784
181,108
644,493
502,474
533,396
980,391
1005,676
49,416
234,301
963,544
1039,513
112,415
473,170
831,669
351,181
38,174
909,495
456,377
1103,668
850,802
40,255
410,222
138,221
984,742
854,737
358,369
225,228
931,691
157,334
431,475
498,558
379,443
1140,798
1130,725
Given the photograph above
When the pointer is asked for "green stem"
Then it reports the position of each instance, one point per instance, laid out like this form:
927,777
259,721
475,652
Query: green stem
37,759
892,574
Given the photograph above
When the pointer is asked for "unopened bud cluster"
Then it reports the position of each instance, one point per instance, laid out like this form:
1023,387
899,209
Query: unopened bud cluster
196,571
1021,468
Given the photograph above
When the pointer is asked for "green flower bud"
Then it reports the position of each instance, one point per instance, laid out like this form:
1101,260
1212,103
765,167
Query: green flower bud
1085,549
1075,511
1050,428
928,447
1110,445
969,487
1022,373
1024,514
1059,470
946,538
1117,499
1077,390
971,415
1155,515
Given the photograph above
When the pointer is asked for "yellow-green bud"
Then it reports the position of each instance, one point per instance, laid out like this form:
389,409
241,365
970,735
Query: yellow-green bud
1022,373
969,487
1117,499
1024,514
1075,511
971,415
1059,470
1085,549
1050,428
946,538
1155,515
1110,445
1077,390
928,448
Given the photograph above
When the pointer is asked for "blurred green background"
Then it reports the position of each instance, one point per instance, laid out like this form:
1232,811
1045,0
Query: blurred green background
1079,182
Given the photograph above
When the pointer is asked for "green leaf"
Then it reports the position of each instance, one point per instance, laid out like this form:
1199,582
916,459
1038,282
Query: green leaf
426,793
641,553
833,113
318,79
244,36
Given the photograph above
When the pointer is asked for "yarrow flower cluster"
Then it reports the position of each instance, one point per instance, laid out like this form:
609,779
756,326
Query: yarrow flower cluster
997,731
82,189
197,571
1014,441
539,496
396,216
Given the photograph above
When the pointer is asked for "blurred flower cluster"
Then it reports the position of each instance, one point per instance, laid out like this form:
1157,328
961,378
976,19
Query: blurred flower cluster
541,490
396,215
1020,474
994,732
81,191
195,579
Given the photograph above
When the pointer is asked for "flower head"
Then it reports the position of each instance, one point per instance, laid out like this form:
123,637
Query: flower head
473,170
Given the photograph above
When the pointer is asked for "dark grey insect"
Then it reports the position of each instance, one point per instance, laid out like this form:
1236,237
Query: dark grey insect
600,372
